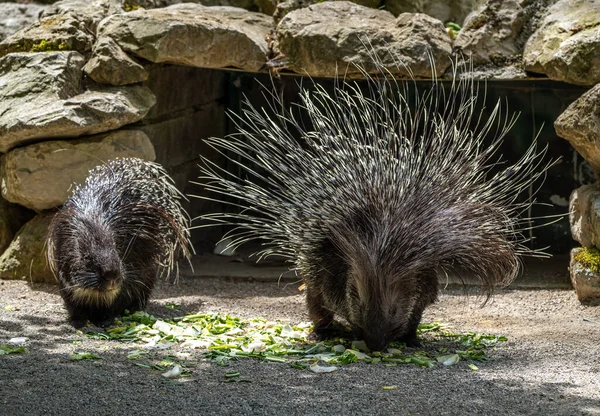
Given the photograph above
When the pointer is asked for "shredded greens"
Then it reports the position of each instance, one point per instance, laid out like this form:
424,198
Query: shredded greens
223,338
7,349
78,356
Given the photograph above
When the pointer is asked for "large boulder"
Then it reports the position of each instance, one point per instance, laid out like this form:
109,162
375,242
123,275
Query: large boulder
25,258
110,65
496,31
566,47
580,125
446,11
14,16
41,176
42,96
584,215
326,38
282,8
65,32
91,12
585,274
192,34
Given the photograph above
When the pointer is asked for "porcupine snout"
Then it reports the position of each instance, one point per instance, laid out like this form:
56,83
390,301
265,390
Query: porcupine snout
109,274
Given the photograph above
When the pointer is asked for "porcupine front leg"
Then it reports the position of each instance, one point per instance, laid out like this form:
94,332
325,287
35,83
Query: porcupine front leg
410,336
320,316
428,294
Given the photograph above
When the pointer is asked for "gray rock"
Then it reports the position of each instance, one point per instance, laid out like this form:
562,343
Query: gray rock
328,37
586,281
25,258
284,7
446,11
567,45
193,35
40,176
15,16
64,32
242,4
91,12
110,65
41,97
580,125
490,33
584,215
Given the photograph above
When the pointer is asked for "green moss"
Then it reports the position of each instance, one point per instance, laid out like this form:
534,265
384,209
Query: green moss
131,7
46,46
589,258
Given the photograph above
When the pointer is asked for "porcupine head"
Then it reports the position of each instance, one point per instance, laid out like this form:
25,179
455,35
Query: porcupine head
90,272
380,293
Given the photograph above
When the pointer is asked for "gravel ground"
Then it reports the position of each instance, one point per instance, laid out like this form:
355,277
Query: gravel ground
549,366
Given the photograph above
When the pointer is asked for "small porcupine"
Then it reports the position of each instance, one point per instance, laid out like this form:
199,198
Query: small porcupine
112,239
373,193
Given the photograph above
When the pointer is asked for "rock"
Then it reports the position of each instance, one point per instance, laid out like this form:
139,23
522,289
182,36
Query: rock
40,176
334,36
585,274
91,12
566,47
12,218
584,215
41,96
15,16
491,32
65,32
580,125
446,11
25,258
193,35
110,65
242,4
284,7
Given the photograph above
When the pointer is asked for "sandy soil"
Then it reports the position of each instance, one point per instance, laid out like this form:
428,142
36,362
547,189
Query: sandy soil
550,364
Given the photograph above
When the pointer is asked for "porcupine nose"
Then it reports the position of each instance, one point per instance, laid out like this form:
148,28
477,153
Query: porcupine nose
375,343
111,278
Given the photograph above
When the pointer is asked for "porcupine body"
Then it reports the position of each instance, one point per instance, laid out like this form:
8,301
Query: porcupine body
112,239
375,193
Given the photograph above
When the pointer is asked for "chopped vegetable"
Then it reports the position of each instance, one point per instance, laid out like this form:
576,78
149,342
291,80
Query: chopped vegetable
173,372
223,338
84,356
6,349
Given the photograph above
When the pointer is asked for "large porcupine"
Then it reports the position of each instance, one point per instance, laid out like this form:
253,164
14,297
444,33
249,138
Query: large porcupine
116,234
374,193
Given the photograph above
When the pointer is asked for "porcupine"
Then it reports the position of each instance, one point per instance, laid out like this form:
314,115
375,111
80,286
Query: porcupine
114,236
375,194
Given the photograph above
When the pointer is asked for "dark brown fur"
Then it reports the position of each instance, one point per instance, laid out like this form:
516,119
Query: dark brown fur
113,238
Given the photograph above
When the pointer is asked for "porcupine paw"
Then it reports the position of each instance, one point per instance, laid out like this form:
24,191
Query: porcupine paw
328,330
103,321
78,322
411,340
